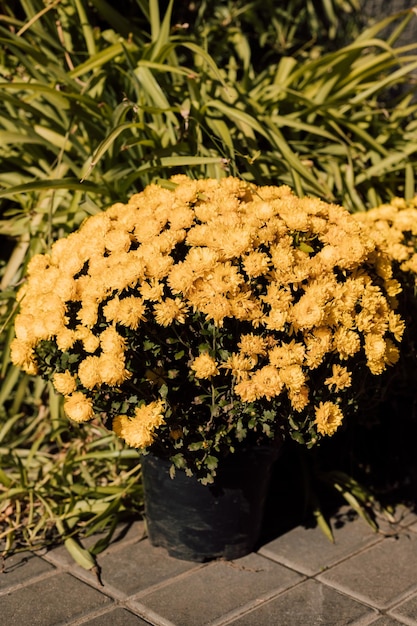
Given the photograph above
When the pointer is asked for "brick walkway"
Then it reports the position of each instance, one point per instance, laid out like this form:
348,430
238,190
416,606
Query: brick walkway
300,578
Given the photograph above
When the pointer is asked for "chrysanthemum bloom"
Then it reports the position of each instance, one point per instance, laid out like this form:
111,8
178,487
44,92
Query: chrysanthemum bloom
170,310
239,365
112,369
299,399
396,325
111,342
78,407
287,354
138,431
347,342
152,290
65,339
328,418
293,377
248,390
88,314
22,355
256,264
89,372
129,311
204,366
341,378
266,383
64,383
89,340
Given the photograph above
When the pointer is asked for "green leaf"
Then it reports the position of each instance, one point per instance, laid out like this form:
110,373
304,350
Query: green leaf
101,58
211,462
41,185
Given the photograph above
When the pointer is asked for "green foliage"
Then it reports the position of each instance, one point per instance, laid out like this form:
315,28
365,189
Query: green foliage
58,480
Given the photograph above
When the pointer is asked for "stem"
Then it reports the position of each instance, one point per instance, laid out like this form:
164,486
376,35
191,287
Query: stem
213,389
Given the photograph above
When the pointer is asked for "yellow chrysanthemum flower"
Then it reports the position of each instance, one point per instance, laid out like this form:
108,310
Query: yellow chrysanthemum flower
309,312
112,369
217,309
252,345
268,382
88,314
24,328
117,240
239,365
299,399
152,290
204,366
287,354
78,407
392,353
328,418
139,431
112,342
89,340
170,310
89,372
347,342
64,383
396,325
340,379
243,306
131,312
22,355
65,339
293,377
248,390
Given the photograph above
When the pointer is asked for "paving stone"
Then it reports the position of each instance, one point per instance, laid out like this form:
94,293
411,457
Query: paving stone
405,515
126,533
117,617
308,603
381,575
216,589
309,551
407,611
21,567
51,601
386,621
137,566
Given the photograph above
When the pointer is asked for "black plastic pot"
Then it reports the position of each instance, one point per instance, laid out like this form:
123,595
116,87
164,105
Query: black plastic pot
198,522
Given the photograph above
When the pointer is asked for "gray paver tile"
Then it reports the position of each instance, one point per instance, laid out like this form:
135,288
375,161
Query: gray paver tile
405,515
21,567
386,621
308,603
117,617
407,610
124,534
216,589
309,551
138,566
54,600
380,575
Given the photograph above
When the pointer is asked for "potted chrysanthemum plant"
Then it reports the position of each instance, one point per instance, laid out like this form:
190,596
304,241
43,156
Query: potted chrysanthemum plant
208,317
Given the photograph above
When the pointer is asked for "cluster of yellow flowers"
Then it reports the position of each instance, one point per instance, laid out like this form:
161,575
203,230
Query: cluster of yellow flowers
393,227
302,280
